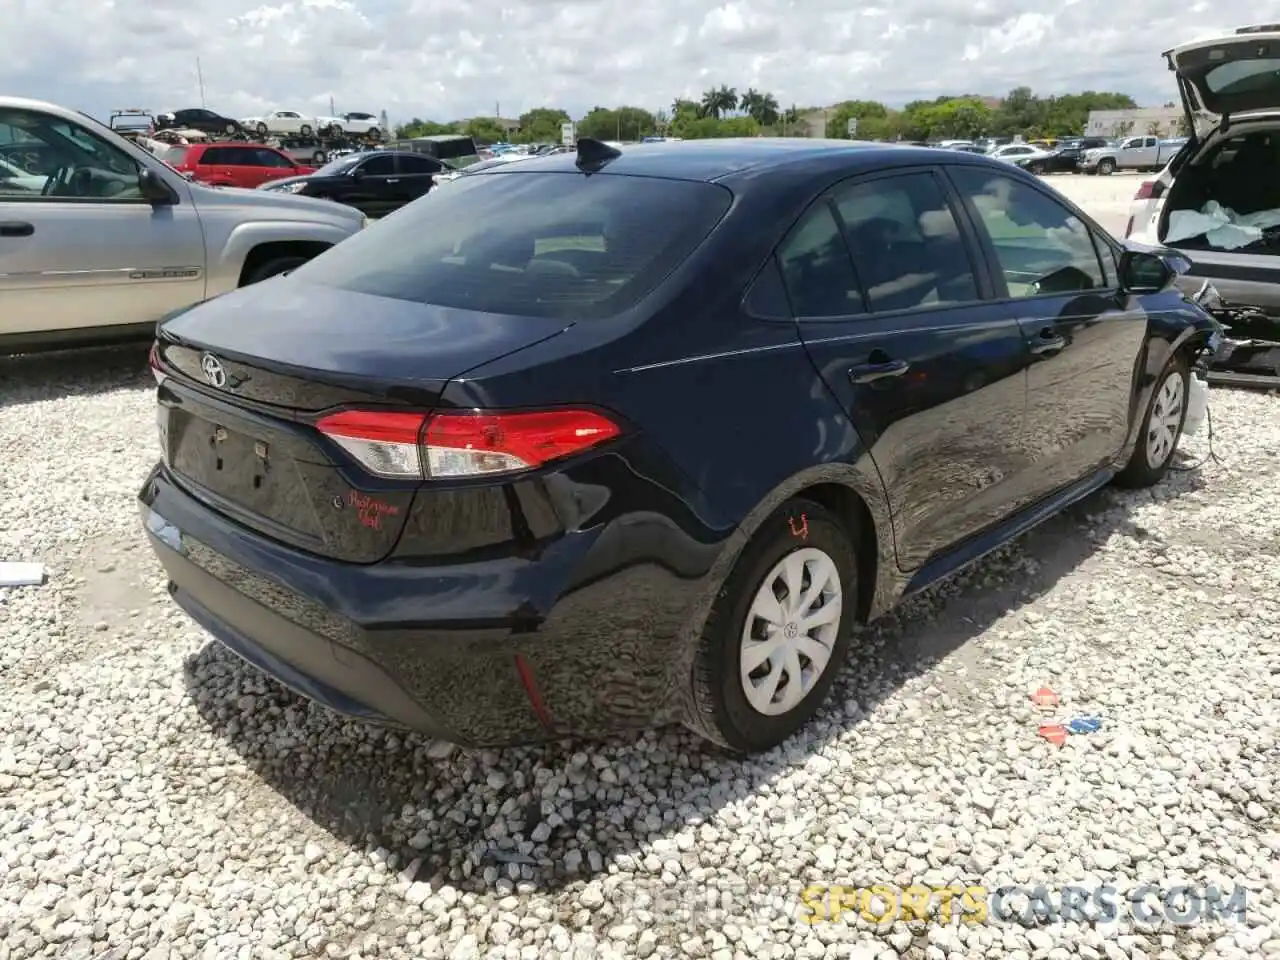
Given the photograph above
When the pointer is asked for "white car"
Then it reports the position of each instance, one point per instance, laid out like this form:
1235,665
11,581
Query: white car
352,125
281,121
481,166
1015,151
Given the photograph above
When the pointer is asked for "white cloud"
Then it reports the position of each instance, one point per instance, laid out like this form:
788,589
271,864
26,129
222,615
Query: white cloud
447,60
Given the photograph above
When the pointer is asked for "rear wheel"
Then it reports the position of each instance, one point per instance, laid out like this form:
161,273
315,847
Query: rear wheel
305,130
1106,167
273,268
1037,169
1161,428
375,134
262,129
778,632
229,129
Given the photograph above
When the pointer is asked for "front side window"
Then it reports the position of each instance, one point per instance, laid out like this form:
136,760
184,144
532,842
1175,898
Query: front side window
906,244
816,269
50,158
269,158
534,244
1042,248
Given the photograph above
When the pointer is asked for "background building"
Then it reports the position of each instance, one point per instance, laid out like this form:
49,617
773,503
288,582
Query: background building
1153,121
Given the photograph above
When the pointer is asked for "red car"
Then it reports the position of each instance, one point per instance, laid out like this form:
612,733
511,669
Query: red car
247,165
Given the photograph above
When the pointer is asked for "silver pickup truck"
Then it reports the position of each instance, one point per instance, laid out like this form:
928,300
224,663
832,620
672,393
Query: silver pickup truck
1131,153
99,238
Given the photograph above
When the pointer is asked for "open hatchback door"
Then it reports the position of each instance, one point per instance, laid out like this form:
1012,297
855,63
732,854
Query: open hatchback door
1230,75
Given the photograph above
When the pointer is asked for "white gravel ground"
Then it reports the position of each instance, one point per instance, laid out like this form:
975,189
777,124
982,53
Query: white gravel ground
159,799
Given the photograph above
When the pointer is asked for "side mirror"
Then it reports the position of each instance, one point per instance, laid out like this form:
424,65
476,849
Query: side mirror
1148,272
153,188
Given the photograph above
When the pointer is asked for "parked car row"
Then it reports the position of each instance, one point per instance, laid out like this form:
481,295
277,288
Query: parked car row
276,122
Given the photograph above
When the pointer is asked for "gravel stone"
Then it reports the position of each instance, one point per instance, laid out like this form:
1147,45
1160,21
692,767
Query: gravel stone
159,798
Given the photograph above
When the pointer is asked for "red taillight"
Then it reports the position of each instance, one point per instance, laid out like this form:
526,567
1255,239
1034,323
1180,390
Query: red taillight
385,443
472,444
1149,190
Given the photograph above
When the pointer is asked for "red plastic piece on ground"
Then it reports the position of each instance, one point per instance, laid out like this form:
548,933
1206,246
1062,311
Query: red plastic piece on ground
1044,697
1055,733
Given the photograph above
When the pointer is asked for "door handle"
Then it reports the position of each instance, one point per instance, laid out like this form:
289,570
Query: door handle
16,228
1047,343
393,180
871,372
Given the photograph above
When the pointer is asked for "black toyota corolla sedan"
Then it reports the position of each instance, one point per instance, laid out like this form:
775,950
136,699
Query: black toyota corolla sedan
612,439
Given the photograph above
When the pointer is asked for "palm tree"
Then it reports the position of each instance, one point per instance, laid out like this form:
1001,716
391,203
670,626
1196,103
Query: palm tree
761,107
716,102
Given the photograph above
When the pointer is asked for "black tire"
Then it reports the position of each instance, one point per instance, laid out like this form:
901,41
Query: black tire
305,130
374,134
273,268
718,708
318,158
1106,167
262,130
230,129
1141,471
1037,169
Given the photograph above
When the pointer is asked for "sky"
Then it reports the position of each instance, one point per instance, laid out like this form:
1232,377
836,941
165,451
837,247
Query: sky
449,59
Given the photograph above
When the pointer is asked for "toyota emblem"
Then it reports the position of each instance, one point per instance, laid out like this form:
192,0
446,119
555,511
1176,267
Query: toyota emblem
213,371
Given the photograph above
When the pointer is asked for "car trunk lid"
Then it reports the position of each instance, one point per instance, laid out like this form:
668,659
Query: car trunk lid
245,377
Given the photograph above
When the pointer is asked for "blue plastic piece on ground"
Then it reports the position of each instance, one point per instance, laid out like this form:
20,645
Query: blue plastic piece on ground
1085,725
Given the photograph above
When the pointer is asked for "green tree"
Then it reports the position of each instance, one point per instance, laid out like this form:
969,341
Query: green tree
422,128
621,123
484,130
872,117
542,125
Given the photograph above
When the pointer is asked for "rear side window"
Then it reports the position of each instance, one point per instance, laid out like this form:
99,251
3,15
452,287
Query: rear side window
535,244
378,167
906,243
408,164
816,268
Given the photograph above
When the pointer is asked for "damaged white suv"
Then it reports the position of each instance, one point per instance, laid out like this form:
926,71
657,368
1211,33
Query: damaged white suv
1218,200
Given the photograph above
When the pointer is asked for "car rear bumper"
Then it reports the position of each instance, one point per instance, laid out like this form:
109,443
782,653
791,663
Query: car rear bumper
492,653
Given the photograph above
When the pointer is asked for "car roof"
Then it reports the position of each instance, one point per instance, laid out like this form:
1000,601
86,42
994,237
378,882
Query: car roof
720,159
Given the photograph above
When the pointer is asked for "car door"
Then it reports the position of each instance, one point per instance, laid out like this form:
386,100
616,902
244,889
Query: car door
1086,342
217,165
370,191
415,175
93,252
894,306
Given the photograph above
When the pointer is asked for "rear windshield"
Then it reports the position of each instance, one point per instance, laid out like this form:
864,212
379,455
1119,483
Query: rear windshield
453,148
529,243
1243,76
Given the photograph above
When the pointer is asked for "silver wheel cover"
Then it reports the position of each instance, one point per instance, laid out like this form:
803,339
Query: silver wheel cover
1165,422
790,631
